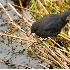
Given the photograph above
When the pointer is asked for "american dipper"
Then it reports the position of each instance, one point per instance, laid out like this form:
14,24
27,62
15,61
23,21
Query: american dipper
50,25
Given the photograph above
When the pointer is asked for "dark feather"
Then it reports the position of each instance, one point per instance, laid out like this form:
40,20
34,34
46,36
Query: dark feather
50,25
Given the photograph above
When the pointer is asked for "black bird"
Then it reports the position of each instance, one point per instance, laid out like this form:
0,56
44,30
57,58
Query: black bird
50,25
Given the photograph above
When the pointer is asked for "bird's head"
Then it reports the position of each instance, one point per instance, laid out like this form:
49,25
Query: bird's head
34,27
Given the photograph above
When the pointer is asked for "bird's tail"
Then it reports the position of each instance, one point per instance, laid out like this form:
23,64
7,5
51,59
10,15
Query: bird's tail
65,14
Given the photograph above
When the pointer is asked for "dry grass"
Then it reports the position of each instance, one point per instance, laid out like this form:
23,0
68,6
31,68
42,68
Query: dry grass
57,52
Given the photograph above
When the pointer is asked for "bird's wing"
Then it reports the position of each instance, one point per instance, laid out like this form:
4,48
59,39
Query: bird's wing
54,26
45,22
52,29
50,18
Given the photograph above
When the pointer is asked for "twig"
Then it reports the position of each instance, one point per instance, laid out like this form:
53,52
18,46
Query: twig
19,14
56,57
56,43
12,20
6,12
2,34
65,37
42,6
27,9
43,66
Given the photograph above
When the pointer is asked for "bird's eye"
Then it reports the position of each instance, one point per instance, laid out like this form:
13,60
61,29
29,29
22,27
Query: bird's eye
35,29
